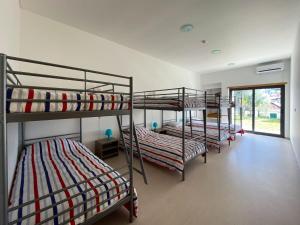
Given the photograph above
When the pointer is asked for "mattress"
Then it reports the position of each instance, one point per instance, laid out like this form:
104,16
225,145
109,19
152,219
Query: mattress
165,150
212,135
214,101
47,166
161,102
211,125
33,100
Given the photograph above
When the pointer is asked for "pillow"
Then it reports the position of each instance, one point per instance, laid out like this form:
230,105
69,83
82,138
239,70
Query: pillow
173,124
142,132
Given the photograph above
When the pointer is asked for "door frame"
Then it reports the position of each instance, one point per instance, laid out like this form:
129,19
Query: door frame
282,111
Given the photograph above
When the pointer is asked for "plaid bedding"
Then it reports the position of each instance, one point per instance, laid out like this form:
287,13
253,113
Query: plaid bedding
165,150
34,100
52,165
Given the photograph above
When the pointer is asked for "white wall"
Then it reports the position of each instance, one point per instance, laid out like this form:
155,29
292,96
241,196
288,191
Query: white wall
10,27
295,97
9,44
45,39
247,76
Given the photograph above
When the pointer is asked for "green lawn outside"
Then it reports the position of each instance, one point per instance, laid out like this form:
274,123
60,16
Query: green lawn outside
263,125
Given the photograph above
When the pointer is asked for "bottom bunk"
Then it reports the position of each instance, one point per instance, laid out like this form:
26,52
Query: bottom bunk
234,129
212,134
165,150
60,181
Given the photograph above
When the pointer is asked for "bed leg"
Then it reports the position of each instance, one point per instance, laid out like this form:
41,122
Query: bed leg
219,148
183,175
205,157
131,212
131,209
229,142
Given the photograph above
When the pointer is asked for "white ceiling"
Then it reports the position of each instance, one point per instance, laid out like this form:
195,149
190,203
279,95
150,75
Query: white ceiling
247,31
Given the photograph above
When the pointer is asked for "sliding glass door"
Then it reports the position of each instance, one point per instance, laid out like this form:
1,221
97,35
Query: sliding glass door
247,115
262,109
268,110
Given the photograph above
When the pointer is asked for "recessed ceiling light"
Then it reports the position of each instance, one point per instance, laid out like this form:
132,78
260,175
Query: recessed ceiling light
186,28
216,51
231,64
203,41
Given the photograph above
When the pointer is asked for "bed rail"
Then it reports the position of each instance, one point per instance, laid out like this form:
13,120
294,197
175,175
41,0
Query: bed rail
62,79
174,99
219,101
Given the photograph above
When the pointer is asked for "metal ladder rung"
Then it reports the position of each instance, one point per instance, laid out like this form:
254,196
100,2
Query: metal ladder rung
127,149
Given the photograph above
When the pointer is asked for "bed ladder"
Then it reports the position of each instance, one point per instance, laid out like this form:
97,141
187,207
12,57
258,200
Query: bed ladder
141,171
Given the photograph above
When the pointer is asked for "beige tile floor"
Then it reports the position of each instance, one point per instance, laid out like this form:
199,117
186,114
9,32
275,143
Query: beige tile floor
254,182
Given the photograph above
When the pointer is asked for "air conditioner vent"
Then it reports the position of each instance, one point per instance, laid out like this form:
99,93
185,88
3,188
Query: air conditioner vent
274,67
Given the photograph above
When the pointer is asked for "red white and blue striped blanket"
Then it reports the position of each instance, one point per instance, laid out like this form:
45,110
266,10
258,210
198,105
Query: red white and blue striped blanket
33,100
165,150
63,164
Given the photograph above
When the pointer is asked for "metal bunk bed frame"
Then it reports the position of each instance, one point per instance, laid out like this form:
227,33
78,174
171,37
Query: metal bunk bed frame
179,96
7,75
217,104
238,108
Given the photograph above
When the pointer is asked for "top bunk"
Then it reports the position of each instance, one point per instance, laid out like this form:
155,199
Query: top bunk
173,99
218,101
45,91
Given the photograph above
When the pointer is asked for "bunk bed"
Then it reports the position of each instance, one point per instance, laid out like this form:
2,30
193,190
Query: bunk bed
165,150
174,99
216,132
174,128
237,126
219,132
234,111
58,180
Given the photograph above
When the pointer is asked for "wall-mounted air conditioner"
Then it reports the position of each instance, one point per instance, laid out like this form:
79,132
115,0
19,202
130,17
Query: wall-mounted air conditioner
274,67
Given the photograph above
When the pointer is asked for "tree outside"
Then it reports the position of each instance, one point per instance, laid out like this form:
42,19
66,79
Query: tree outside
267,109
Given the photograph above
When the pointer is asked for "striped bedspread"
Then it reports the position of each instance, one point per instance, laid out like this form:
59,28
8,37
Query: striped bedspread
189,102
57,164
33,100
165,150
213,102
211,134
211,125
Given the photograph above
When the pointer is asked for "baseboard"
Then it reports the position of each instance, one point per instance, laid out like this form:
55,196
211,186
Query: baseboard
295,153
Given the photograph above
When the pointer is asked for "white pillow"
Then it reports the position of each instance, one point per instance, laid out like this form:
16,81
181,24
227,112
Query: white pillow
173,124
